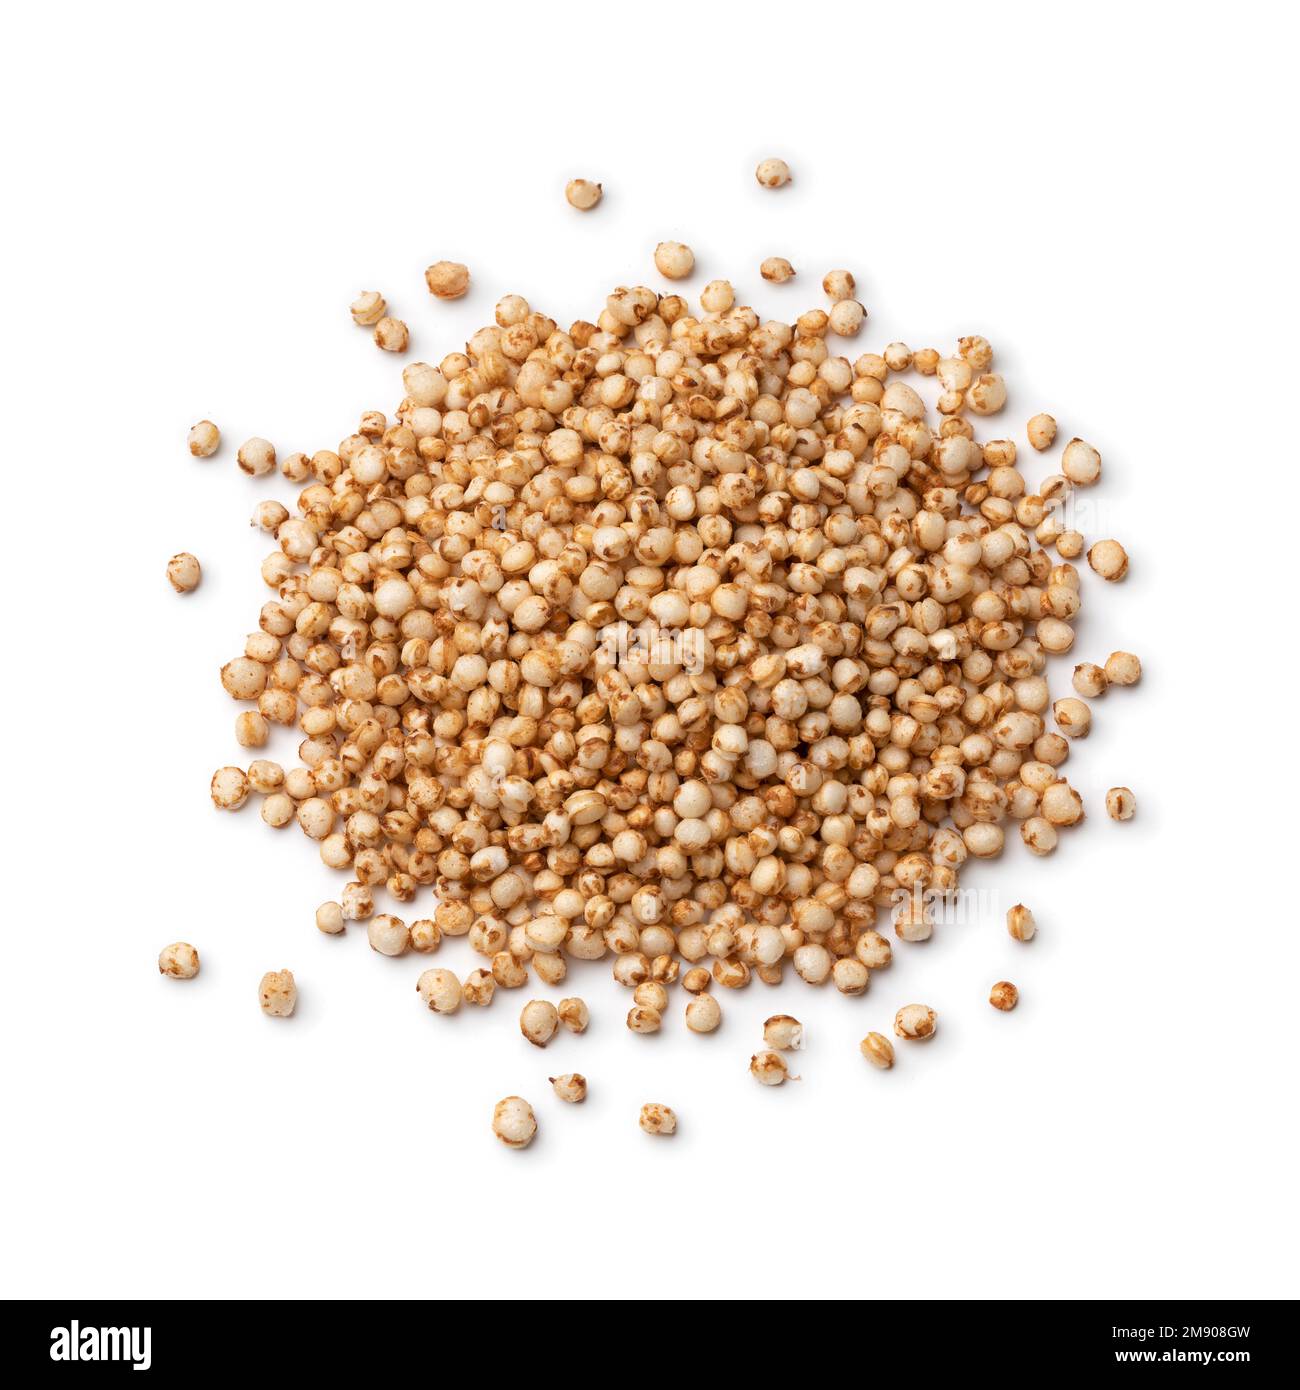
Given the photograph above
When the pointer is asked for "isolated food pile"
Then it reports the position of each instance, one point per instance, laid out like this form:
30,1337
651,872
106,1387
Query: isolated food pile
676,637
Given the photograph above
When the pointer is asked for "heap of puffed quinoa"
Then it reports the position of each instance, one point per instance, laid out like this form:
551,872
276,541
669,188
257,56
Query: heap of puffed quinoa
671,637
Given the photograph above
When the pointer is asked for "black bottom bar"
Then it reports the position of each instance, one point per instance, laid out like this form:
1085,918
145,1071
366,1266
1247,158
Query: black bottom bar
296,1338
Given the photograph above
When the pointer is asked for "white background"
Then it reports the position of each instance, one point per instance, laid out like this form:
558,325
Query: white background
194,194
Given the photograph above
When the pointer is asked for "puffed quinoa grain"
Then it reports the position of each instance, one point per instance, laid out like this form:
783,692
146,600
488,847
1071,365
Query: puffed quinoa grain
204,439
574,1014
772,173
392,335
1081,463
1090,680
783,1033
703,1014
387,934
229,788
179,961
256,457
582,194
571,1087
878,1050
368,308
1020,923
447,279
183,572
915,1021
538,1021
1109,559
673,260
479,988
1123,668
514,1123
769,1068
425,935
278,993
440,990
1004,995
329,918
658,1119
1120,803
1041,431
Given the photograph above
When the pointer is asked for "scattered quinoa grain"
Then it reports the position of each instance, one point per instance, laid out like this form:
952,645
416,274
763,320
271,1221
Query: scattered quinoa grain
846,318
514,1123
358,902
850,976
777,270
898,356
1004,995
651,994
1120,803
179,961
278,993
1109,559
479,988
1073,717
256,457
1081,463
447,279
643,1019
264,776
574,1014
658,1119
978,351
296,467
838,285
1090,680
183,572
878,1050
1020,923
582,194
204,439
440,990
915,1021
717,297
1061,804
772,173
1069,545
674,260
783,1033
368,308
426,935
703,1014
1039,835
1123,668
769,1068
392,335
269,515
987,394
538,1021
251,729
229,788
329,918
387,934
1041,431
277,810
571,1087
